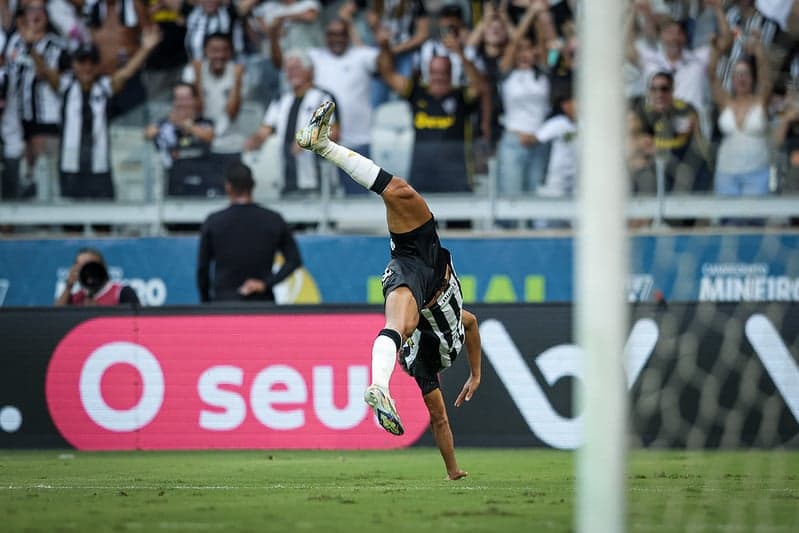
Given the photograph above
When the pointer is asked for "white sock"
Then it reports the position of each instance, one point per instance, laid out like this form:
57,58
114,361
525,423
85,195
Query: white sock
384,355
362,169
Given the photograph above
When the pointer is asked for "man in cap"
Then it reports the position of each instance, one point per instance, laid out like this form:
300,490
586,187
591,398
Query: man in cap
85,158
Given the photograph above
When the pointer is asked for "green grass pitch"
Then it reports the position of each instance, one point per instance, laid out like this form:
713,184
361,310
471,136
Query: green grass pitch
508,490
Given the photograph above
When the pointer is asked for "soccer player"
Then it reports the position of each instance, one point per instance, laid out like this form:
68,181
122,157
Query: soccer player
426,325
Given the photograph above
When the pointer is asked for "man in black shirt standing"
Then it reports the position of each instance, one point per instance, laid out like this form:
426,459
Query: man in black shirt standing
241,241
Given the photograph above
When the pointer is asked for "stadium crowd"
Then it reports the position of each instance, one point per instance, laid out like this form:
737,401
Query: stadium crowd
712,85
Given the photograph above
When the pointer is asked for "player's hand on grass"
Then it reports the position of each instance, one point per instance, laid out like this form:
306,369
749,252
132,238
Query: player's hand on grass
468,390
458,474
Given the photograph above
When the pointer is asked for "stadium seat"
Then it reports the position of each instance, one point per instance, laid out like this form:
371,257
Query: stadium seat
267,175
392,137
129,160
250,117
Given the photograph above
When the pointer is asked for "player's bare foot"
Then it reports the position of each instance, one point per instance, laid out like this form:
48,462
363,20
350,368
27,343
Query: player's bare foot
458,474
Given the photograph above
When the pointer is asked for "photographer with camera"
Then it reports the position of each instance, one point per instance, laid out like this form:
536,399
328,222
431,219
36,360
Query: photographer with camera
89,271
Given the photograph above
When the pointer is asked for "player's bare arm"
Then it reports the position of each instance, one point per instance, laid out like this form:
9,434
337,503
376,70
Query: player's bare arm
474,355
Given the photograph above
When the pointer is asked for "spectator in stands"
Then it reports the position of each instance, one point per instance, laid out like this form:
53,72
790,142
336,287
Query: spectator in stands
743,163
640,154
408,26
525,93
37,103
688,67
561,131
747,23
786,138
6,17
673,124
489,40
346,71
242,242
165,64
698,16
88,283
85,153
451,28
514,10
216,16
218,82
441,118
11,138
297,21
562,13
283,117
184,140
562,62
115,28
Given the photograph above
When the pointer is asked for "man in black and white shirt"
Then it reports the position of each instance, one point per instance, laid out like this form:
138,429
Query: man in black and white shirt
301,169
214,16
85,151
450,24
38,104
11,142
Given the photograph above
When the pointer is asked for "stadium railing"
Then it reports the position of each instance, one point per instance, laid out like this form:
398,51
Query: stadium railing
366,214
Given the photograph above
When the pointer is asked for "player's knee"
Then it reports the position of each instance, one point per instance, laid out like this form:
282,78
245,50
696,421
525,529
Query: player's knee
399,189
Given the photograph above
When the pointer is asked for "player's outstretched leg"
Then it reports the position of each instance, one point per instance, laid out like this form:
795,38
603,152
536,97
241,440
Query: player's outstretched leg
406,210
316,137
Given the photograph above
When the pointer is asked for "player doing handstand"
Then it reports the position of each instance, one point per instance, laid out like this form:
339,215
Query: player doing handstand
426,325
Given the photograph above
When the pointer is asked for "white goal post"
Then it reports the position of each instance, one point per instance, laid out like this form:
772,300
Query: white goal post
601,266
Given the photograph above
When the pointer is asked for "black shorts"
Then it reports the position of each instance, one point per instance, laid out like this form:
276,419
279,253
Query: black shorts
87,185
30,129
438,338
418,261
424,366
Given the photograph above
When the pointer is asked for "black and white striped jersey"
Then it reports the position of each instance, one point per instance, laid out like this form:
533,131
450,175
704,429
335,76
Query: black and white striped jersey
85,144
743,28
200,24
38,103
444,320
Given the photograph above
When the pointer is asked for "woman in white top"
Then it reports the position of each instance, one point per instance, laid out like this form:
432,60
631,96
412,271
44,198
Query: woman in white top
525,93
742,163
